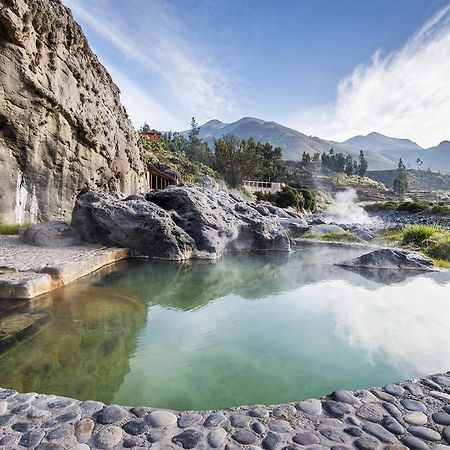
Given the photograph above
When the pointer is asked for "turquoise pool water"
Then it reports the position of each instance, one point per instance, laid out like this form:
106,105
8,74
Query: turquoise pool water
258,328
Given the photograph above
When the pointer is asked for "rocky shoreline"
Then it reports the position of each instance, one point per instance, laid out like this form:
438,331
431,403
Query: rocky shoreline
414,414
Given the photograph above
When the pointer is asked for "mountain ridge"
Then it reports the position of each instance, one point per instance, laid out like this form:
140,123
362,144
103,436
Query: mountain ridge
382,152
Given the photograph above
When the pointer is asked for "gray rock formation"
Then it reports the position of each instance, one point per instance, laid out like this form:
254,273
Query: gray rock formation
177,223
62,126
389,258
50,234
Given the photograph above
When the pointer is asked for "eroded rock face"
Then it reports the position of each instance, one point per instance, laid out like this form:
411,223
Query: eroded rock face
177,223
62,126
389,258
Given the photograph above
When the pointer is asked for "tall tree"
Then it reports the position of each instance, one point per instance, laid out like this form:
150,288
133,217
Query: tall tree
363,164
401,180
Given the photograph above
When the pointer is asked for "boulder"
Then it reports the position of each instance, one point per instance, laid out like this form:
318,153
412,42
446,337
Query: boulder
294,227
177,223
50,234
390,258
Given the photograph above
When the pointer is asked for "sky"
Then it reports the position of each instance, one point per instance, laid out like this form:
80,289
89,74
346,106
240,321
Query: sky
329,68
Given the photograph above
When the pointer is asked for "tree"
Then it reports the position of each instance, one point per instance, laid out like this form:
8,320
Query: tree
363,164
348,169
197,150
419,162
401,180
145,128
306,160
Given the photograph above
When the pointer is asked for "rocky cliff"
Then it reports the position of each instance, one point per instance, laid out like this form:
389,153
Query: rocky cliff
62,126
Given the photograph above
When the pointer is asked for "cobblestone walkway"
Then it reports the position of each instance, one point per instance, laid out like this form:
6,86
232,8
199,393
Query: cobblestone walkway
414,414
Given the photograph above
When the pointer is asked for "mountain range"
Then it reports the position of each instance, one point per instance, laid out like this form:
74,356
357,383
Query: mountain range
382,152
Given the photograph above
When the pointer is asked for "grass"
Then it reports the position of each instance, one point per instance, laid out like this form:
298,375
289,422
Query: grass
412,207
10,229
432,240
334,237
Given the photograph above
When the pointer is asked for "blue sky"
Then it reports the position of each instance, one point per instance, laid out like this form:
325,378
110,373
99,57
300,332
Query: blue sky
332,68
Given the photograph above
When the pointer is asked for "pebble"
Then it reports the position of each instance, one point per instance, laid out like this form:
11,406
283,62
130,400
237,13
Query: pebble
413,405
393,425
108,437
337,409
333,435
365,396
392,410
258,428
444,381
431,384
424,433
239,421
135,427
345,397
311,407
385,396
60,433
161,419
59,404
188,438
416,418
379,432
414,443
83,430
259,411
370,411
284,412
216,437
353,431
90,406
271,441
140,412
441,418
394,389
446,433
21,427
366,443
67,417
415,389
7,393
111,414
187,420
214,420
31,439
306,438
244,437
279,426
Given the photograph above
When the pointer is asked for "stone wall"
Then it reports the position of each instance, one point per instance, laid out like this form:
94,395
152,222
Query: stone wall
62,126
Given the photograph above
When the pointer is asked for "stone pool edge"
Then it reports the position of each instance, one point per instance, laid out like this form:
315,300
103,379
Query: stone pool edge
17,284
413,414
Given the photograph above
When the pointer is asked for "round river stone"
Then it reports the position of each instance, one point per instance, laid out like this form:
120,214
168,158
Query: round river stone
216,437
108,437
161,419
188,438
244,437
306,438
425,433
111,414
413,405
311,407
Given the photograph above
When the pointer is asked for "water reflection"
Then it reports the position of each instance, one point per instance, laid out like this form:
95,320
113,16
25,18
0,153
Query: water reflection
260,328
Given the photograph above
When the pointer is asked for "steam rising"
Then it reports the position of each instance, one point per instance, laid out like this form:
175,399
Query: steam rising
345,210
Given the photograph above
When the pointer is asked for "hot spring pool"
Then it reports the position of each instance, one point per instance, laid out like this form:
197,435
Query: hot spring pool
248,329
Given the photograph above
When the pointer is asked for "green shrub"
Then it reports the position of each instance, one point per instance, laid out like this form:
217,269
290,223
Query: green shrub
417,234
413,207
289,197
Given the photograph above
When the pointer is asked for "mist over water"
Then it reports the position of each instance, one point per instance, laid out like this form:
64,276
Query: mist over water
261,328
344,209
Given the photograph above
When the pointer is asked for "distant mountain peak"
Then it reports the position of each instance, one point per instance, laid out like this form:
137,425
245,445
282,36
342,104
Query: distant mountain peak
379,142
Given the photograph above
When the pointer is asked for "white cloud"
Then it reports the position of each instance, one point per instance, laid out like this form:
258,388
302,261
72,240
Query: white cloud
142,107
154,40
403,94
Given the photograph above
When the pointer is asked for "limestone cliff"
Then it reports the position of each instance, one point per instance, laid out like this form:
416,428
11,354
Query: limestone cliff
62,126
